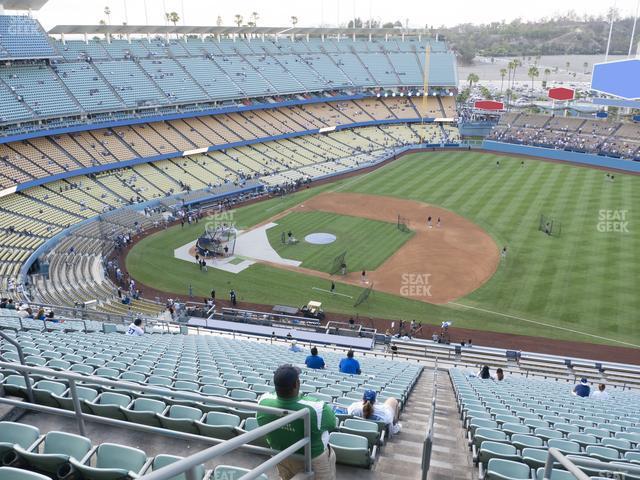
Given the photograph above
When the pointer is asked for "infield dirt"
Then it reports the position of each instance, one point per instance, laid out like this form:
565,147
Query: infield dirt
437,265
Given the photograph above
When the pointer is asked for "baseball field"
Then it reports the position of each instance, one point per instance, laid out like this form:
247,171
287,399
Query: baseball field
580,284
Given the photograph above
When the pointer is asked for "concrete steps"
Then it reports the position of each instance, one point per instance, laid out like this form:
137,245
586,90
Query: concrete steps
401,456
450,457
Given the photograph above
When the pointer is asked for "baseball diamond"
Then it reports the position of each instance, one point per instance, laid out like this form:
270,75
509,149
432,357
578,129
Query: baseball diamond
549,279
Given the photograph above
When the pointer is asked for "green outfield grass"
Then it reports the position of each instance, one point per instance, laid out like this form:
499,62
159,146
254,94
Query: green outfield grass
368,243
581,286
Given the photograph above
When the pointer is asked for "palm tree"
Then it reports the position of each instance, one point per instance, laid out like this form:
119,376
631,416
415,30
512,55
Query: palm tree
219,21
173,17
294,21
547,72
107,12
586,66
503,73
238,19
254,18
533,73
472,78
516,63
511,66
568,64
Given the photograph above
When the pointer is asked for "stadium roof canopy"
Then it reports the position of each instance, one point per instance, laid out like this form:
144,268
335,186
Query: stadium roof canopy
213,30
22,4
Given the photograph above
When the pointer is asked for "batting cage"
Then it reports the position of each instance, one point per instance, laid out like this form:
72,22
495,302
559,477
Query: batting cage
550,226
364,296
339,264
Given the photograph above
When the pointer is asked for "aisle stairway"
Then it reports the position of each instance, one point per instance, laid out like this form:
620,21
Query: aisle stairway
451,457
401,457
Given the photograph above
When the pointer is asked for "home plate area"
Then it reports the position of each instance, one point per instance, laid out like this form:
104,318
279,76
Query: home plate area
251,246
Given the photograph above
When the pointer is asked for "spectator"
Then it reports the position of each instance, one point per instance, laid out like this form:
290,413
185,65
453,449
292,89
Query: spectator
286,381
484,373
314,360
582,389
294,347
600,394
499,375
388,412
135,329
350,365
24,311
40,315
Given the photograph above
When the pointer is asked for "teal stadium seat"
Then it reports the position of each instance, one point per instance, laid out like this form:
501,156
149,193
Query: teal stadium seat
8,473
163,460
57,450
181,418
219,425
112,462
12,433
350,449
498,469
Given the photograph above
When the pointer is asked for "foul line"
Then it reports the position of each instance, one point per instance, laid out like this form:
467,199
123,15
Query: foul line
357,178
332,293
545,324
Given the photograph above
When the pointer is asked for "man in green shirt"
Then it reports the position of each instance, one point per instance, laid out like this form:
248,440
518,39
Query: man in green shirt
286,380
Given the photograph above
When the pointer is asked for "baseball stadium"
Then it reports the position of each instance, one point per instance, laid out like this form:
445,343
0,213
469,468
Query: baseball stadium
203,228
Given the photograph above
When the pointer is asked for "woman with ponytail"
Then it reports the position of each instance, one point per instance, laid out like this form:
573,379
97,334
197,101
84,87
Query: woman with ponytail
388,412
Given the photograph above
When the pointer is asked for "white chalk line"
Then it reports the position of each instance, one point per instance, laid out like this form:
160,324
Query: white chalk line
332,293
557,327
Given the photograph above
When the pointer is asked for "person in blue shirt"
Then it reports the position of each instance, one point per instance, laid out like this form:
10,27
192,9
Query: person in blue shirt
314,360
350,365
582,389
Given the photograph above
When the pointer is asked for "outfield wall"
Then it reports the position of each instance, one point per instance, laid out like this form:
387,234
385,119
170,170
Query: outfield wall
563,156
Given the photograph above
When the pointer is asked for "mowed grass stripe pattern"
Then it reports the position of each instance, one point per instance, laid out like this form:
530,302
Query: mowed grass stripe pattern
583,280
368,243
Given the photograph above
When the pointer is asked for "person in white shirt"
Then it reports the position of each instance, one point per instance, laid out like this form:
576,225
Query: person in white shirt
388,412
135,329
600,394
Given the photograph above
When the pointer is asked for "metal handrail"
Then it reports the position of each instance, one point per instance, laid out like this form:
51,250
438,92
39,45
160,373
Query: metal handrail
189,464
27,379
427,445
572,465
556,455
